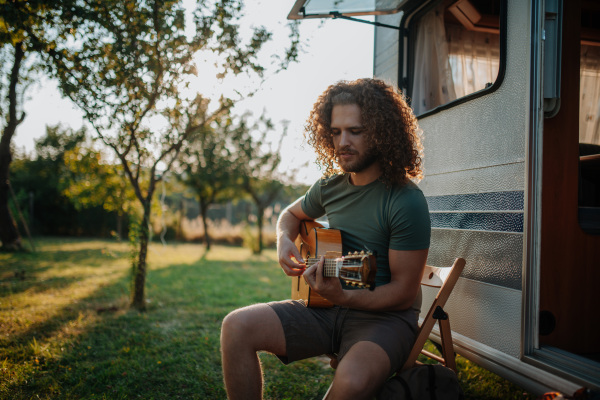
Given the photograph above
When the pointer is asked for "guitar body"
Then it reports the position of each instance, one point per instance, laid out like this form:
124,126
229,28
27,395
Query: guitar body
355,269
313,242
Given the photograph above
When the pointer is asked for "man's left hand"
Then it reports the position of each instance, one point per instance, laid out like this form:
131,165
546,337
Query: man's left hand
329,288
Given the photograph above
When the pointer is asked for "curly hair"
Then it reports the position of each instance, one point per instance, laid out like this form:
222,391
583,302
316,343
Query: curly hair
390,127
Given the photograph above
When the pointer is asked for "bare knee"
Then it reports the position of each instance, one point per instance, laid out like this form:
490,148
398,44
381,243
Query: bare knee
253,328
353,382
235,322
361,372
237,329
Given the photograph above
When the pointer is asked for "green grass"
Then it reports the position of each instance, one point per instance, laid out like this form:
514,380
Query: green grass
67,332
479,383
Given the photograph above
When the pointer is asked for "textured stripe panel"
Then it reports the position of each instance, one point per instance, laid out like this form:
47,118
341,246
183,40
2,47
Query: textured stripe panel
492,257
491,221
488,314
501,178
495,201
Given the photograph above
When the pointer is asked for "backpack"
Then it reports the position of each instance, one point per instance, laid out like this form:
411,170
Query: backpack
422,382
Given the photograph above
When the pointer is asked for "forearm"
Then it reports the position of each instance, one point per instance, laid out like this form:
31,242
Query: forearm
406,269
288,225
389,297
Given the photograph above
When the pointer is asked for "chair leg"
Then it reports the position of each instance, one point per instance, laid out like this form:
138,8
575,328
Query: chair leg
447,347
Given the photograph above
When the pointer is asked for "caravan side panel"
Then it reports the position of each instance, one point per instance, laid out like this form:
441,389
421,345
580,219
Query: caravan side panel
475,182
386,49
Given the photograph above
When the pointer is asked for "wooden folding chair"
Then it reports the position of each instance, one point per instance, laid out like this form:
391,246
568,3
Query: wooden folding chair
445,279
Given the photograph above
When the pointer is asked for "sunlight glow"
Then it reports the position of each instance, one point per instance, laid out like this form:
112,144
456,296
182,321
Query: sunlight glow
332,50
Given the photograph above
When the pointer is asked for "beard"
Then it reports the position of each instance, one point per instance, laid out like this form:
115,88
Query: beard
364,161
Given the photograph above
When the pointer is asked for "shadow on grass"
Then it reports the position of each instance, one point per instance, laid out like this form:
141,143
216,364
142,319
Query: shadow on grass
96,347
169,352
29,283
92,257
23,272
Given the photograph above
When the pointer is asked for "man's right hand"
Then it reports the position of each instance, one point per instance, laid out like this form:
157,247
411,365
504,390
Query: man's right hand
288,227
287,253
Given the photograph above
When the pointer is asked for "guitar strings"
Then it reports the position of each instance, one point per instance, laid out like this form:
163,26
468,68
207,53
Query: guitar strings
331,262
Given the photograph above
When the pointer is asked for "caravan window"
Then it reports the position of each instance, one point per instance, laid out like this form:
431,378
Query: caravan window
456,52
589,95
589,121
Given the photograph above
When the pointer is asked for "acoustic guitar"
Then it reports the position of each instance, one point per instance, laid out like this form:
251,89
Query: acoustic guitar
355,269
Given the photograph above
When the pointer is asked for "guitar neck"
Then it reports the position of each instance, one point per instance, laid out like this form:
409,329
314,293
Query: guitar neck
356,269
331,266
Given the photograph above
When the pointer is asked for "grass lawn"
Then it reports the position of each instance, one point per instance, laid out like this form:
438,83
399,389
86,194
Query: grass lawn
66,331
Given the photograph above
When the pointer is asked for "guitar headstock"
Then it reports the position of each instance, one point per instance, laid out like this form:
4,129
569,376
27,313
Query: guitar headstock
358,269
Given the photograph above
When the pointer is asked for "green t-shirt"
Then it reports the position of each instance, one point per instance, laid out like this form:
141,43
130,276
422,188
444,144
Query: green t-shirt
372,217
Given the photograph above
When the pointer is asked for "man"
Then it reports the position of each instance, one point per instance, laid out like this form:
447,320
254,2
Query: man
366,139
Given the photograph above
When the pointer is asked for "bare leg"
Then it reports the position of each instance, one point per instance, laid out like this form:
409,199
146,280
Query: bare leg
243,333
360,373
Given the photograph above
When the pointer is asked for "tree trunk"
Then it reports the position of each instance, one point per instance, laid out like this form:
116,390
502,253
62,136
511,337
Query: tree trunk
182,215
204,212
139,283
120,224
9,232
259,221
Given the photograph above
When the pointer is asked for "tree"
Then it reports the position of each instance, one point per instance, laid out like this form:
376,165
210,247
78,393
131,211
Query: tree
256,166
208,168
26,27
38,179
126,71
9,232
94,181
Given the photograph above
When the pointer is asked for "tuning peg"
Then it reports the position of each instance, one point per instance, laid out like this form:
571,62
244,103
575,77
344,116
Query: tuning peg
362,253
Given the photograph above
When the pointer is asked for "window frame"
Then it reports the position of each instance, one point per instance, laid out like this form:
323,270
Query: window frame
413,12
298,11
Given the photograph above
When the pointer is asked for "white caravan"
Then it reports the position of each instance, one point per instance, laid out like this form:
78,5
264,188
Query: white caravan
507,93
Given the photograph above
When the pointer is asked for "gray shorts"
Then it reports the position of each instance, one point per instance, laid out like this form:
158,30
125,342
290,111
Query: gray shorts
312,332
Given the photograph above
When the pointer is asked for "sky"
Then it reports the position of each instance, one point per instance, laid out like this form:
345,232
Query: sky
332,50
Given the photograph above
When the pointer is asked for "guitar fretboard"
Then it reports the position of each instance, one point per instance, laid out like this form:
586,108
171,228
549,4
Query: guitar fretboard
331,266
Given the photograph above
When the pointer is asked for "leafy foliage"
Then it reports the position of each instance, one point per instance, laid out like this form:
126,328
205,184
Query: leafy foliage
126,69
57,142
26,27
125,65
39,184
29,32
92,180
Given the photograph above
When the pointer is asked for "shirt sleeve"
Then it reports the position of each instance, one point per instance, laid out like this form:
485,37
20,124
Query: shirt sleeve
311,203
410,222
